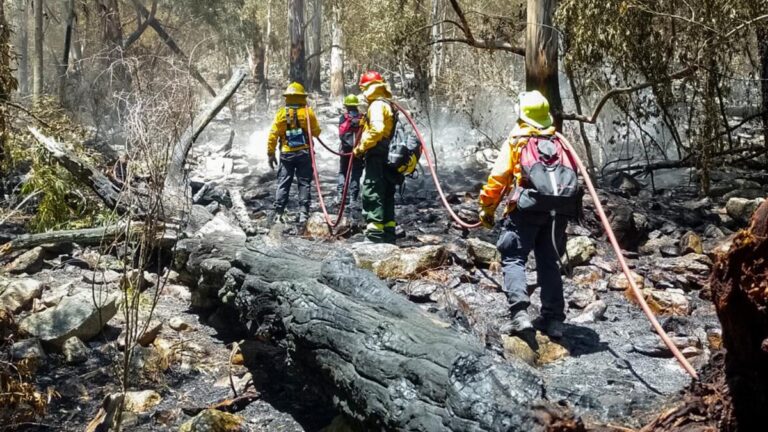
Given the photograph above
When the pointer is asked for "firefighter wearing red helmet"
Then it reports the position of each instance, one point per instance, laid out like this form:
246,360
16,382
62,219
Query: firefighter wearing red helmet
380,183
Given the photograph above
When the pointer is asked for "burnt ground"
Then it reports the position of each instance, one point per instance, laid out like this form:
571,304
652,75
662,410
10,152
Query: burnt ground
614,370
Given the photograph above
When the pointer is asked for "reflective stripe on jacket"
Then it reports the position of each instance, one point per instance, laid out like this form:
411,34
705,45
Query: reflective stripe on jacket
506,170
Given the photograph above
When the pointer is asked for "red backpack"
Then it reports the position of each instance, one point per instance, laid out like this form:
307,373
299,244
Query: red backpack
549,179
348,127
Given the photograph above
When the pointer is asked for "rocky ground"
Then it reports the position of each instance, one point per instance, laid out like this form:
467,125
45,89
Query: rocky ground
609,366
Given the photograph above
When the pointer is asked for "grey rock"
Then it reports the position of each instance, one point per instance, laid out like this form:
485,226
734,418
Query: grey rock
595,311
482,253
367,254
27,349
18,294
101,277
751,193
74,351
74,316
29,262
741,209
655,245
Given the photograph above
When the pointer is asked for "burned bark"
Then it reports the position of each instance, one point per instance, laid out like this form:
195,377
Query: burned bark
384,361
298,69
541,55
739,284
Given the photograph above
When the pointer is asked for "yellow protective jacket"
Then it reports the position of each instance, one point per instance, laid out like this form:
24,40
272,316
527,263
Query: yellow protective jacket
506,170
379,120
280,125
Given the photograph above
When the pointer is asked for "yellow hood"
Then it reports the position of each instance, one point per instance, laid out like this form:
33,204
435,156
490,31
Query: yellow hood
524,129
377,91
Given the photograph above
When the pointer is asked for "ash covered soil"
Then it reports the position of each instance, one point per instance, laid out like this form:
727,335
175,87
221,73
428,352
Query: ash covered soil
610,366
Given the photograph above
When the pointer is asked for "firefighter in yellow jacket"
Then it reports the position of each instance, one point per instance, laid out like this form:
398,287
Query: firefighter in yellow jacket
291,130
380,182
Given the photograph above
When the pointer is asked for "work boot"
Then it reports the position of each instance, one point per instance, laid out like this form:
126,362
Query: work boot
276,217
551,327
303,218
520,323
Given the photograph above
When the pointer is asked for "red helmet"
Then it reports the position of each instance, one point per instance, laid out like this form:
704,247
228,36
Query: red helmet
370,77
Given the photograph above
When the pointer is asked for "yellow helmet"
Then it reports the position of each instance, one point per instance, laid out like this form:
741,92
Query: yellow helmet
534,109
295,89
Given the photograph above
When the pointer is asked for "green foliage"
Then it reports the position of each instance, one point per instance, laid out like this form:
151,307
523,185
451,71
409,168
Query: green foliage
62,202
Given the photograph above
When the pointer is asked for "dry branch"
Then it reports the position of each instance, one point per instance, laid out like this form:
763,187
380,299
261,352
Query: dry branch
469,38
175,184
623,90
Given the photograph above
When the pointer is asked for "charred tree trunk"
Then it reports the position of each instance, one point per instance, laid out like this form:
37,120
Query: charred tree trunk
7,82
298,67
257,63
739,284
37,86
22,9
762,45
64,66
316,29
541,47
337,53
383,361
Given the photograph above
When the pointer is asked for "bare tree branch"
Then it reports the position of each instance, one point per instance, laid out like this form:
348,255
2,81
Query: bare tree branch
623,90
143,25
469,38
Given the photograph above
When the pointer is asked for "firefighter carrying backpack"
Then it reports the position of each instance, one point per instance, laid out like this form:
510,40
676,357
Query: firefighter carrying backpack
295,137
348,130
549,181
404,148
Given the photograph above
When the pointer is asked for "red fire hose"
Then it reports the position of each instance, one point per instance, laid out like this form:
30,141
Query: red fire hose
331,224
433,171
624,267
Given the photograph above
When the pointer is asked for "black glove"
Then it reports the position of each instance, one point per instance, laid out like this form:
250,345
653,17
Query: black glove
272,161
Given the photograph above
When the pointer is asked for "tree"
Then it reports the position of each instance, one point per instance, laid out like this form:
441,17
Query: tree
297,58
316,30
541,50
22,44
337,52
37,86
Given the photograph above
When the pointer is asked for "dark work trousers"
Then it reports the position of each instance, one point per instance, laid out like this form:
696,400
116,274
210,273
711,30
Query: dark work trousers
379,188
353,193
525,232
294,164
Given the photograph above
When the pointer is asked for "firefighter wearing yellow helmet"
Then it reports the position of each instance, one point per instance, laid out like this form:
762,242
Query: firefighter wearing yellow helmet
291,130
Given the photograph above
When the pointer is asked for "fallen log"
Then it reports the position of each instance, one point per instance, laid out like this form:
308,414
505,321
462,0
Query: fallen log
84,172
240,211
83,237
382,360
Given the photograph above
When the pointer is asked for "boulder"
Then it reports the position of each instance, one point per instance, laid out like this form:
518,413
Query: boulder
27,349
74,351
581,297
317,227
101,277
749,193
368,254
482,253
625,226
540,352
17,294
29,262
410,263
619,282
74,316
178,324
221,230
690,242
141,401
655,245
668,302
741,209
579,250
595,311
653,346
212,420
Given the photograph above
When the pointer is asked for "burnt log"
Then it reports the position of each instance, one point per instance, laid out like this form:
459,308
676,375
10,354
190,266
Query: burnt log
383,361
739,284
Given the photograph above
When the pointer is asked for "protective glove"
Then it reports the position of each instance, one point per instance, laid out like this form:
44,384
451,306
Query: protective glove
358,152
272,161
487,218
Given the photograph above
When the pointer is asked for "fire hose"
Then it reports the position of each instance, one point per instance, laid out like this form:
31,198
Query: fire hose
590,186
331,224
